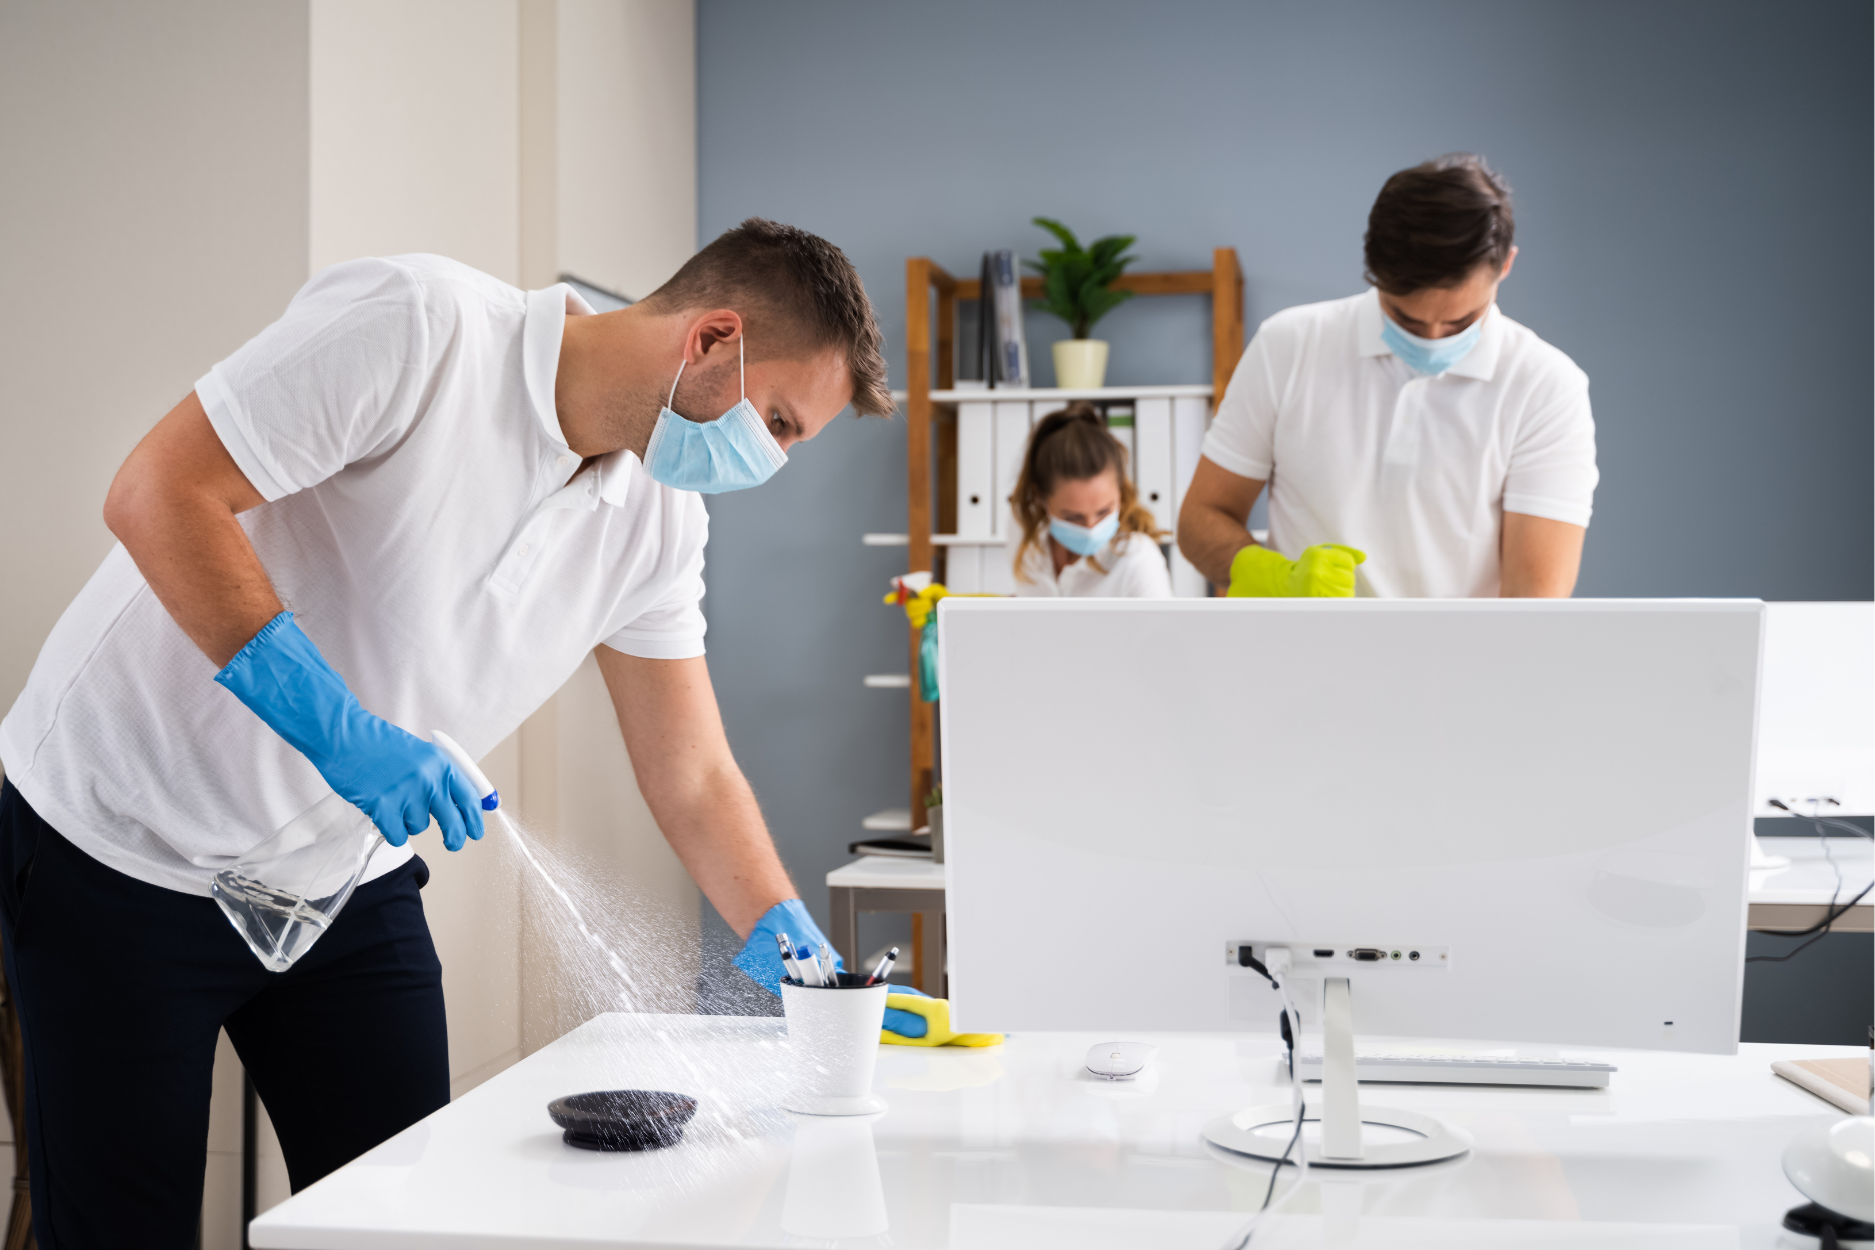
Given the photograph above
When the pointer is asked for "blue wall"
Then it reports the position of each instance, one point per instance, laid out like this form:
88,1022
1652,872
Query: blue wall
1693,200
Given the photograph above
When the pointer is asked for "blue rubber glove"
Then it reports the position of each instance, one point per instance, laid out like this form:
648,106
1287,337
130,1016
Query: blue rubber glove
760,959
394,777
906,1023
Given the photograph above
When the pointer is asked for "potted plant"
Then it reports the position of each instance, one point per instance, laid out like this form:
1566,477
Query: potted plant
1076,288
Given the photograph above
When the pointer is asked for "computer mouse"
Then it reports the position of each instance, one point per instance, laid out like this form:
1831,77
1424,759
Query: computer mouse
1117,1061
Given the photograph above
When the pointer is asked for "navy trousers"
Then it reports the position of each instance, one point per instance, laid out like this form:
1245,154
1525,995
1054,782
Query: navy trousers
122,987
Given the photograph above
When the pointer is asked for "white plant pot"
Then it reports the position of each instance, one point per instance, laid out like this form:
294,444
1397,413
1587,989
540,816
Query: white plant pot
1080,364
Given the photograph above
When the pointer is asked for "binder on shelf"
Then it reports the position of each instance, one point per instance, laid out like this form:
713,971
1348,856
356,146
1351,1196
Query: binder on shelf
1189,414
963,569
1012,359
1120,425
996,574
976,470
1013,421
1152,459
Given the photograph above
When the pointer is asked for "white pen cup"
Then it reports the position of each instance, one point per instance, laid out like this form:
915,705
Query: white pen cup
833,1045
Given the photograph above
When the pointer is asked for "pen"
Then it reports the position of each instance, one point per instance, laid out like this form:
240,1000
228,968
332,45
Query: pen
884,969
787,957
827,975
810,970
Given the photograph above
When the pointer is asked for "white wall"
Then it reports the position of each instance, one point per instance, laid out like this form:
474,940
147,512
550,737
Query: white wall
416,131
152,216
628,193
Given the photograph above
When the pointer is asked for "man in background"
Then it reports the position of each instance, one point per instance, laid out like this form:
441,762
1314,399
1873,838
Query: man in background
1415,441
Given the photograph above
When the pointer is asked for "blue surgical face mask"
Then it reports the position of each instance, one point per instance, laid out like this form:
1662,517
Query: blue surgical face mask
1081,540
1431,356
733,452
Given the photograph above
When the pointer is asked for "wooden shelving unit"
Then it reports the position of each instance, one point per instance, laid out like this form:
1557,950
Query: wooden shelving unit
932,297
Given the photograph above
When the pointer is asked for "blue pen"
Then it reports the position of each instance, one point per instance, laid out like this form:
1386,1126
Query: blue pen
804,958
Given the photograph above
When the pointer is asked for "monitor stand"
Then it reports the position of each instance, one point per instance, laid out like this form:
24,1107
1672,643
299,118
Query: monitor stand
1352,1136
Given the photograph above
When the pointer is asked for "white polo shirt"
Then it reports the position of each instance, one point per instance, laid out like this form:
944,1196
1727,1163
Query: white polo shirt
1415,471
425,525
1135,569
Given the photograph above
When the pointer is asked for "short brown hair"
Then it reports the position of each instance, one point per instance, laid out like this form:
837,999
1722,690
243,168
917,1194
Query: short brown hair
1072,445
1434,224
797,294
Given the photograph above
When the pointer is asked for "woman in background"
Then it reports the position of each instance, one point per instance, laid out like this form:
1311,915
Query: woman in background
1080,529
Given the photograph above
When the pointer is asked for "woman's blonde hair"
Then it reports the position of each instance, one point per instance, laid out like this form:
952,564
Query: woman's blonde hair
1072,445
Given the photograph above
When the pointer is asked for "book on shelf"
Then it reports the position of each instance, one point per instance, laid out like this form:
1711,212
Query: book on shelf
1012,359
895,846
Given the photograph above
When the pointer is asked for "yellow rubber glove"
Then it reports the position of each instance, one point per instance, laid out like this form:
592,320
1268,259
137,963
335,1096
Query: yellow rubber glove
937,1015
919,607
1323,571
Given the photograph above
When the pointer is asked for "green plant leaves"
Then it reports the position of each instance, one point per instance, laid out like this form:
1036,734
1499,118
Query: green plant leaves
1076,281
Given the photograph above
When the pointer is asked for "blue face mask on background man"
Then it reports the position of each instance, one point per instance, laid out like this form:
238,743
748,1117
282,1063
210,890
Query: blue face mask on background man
1081,540
733,452
1431,356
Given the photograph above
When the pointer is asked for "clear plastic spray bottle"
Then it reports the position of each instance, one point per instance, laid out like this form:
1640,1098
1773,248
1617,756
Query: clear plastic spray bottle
284,893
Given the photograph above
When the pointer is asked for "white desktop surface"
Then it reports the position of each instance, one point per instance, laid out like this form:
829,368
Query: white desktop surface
887,872
1808,878
1006,1147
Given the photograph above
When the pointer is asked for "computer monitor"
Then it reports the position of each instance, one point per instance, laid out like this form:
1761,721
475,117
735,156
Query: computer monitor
1816,719
1548,801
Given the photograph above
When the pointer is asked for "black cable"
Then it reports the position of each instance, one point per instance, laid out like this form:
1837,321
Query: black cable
1291,1038
1832,913
1277,1170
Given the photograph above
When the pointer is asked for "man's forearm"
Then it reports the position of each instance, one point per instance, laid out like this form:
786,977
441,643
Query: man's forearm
173,506
718,833
1213,519
1211,539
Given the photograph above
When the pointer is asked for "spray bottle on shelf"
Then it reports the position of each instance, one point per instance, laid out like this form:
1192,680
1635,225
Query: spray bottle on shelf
284,893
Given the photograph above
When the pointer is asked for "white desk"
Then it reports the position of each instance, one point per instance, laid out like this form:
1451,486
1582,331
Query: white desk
987,1149
889,883
1797,896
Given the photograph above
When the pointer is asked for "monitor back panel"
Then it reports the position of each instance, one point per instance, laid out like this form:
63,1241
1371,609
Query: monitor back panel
1555,795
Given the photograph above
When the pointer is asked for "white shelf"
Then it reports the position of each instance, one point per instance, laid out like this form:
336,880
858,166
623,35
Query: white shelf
1046,394
888,681
891,820
937,540
1051,394
958,540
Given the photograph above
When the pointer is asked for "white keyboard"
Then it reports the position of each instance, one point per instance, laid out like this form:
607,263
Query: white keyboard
1435,1068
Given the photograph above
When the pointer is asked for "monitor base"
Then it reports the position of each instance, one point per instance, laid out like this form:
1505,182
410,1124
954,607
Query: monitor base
1427,1140
1347,1130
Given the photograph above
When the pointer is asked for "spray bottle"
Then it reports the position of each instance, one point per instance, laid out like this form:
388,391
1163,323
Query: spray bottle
284,893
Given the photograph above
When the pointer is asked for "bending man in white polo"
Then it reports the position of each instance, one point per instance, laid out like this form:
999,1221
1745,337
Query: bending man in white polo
417,501
1415,441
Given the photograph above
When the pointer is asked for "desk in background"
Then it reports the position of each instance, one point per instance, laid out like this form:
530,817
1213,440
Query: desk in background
1784,899
879,883
1797,896
1013,1146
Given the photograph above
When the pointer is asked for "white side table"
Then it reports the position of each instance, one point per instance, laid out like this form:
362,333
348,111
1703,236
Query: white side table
881,883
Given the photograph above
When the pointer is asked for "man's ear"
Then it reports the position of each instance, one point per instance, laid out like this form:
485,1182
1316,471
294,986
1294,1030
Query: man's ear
710,331
1508,262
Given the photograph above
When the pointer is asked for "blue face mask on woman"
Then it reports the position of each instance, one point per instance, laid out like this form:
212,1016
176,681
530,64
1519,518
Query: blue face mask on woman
1081,540
733,452
1431,356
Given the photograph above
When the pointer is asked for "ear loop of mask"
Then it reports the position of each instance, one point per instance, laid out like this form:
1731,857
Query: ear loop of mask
742,375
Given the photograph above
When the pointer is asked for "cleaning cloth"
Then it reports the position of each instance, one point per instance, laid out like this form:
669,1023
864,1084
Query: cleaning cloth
936,1014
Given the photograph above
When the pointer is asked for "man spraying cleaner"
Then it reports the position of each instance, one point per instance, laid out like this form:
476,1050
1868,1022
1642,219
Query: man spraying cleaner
419,499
